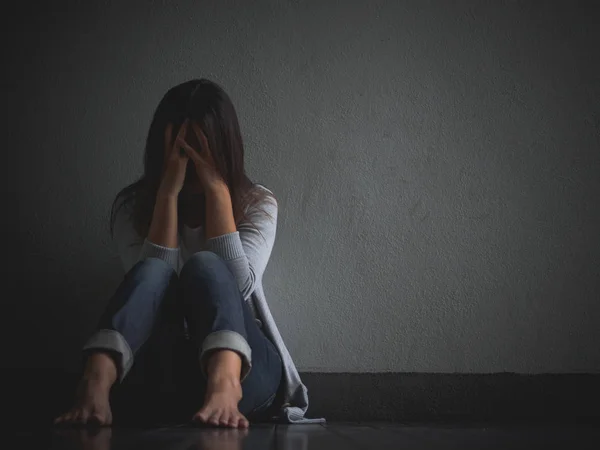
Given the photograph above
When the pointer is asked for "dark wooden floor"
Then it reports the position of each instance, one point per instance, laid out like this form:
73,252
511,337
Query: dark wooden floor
350,436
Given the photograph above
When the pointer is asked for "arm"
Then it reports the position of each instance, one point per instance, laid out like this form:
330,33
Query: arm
162,238
163,229
219,212
244,250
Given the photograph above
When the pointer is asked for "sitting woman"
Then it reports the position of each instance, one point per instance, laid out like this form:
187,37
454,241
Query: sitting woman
194,235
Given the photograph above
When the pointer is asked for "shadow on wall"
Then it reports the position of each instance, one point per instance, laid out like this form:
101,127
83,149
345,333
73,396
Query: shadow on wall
60,298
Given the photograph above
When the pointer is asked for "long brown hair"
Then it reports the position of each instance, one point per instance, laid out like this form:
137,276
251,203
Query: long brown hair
207,104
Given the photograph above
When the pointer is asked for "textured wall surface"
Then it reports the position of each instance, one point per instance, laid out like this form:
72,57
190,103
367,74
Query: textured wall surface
437,169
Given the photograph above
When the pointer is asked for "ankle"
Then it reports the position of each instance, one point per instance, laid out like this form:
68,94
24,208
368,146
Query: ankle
98,380
224,378
224,366
224,385
100,370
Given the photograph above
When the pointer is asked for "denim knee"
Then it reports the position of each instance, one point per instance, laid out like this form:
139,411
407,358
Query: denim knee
200,262
153,268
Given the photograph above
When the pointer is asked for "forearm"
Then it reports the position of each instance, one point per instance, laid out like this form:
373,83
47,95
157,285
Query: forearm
219,212
163,228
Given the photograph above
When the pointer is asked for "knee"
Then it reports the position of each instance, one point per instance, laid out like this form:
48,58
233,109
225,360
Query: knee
154,268
200,262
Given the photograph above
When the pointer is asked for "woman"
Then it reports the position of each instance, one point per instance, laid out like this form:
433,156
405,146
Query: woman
194,235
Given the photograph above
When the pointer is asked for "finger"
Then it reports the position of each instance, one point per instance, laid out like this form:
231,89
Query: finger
183,129
204,143
177,156
170,143
189,150
168,134
200,135
180,135
172,151
180,152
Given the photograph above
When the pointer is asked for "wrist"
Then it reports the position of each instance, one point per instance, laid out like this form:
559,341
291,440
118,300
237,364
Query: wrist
216,189
166,196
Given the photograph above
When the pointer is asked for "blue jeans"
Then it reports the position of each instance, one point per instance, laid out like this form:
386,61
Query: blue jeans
162,328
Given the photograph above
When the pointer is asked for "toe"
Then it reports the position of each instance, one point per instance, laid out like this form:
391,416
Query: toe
233,421
76,418
201,416
83,417
214,419
225,419
95,419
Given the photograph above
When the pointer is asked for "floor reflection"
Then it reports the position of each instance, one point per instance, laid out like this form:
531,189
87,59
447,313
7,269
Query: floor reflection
349,436
83,438
190,439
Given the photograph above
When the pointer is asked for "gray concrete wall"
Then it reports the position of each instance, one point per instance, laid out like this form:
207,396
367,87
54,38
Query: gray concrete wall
437,169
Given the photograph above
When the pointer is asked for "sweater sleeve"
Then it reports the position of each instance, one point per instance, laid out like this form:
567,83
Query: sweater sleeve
247,251
132,248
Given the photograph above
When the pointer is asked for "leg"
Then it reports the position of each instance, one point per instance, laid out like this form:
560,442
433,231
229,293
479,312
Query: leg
227,336
127,324
263,381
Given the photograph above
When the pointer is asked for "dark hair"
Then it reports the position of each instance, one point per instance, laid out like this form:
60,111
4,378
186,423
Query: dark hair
209,106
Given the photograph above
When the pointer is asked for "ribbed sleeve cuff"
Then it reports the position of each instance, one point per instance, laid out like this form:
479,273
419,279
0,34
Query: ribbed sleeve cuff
226,339
228,246
170,255
115,342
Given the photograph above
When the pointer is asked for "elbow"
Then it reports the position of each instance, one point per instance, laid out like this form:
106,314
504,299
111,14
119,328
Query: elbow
248,285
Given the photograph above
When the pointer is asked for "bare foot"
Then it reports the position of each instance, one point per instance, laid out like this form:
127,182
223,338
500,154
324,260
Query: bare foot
220,404
92,405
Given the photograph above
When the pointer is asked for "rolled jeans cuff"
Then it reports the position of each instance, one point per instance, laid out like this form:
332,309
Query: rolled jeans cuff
114,342
226,339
